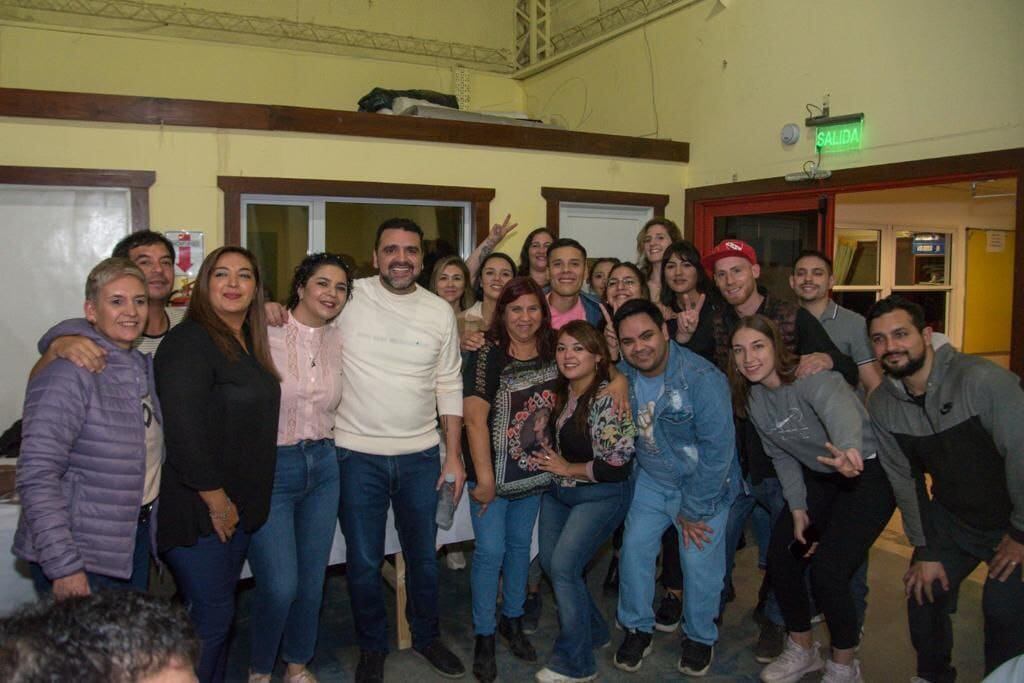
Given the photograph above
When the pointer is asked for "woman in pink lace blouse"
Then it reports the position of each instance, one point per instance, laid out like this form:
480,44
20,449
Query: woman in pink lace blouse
289,553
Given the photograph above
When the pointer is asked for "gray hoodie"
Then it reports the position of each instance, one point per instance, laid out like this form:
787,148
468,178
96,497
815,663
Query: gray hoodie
795,420
967,434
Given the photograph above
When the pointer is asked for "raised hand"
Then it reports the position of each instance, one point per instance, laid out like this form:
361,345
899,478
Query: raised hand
688,318
499,230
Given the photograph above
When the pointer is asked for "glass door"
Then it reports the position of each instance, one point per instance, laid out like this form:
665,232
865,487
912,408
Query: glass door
777,228
871,262
281,230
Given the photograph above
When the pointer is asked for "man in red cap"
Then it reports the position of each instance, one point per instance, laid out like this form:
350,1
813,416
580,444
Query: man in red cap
733,266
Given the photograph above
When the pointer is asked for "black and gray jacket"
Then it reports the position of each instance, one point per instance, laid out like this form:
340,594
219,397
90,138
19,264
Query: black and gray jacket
968,436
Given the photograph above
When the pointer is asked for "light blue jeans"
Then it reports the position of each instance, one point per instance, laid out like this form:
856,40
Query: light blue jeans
288,555
574,522
503,535
656,506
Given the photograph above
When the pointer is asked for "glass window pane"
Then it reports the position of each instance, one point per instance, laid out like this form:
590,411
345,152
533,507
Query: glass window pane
855,301
855,259
934,305
777,238
278,235
922,258
351,230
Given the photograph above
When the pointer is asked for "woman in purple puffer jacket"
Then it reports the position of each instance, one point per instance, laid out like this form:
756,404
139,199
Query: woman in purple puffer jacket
84,478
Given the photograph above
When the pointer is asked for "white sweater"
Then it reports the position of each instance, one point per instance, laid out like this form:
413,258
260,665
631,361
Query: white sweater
400,358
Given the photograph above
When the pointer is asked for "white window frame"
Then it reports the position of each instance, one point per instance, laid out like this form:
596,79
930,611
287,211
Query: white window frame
956,280
317,228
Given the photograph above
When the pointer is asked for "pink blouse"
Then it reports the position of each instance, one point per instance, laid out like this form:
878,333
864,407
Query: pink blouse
309,360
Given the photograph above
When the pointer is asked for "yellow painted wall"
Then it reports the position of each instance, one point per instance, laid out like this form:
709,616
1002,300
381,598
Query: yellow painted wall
933,77
51,58
988,297
187,162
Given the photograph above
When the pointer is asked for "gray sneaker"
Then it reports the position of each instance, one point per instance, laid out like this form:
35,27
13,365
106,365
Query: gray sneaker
793,664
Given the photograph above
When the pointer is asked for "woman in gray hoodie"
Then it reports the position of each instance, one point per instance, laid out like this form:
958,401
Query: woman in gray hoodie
90,459
820,440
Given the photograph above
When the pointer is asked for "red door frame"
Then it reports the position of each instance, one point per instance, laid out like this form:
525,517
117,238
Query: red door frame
703,203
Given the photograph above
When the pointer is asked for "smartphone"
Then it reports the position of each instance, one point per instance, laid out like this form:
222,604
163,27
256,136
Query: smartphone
798,549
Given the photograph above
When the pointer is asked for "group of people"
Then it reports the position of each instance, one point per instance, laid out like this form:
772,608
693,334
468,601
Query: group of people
658,404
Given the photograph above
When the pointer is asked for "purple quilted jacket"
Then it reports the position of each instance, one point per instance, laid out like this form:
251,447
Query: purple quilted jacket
83,461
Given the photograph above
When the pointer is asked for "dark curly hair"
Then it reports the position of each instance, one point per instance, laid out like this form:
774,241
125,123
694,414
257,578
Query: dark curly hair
308,267
106,637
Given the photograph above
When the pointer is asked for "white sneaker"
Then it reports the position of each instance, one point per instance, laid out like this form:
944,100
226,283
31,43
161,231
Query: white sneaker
546,675
842,673
918,679
793,663
455,559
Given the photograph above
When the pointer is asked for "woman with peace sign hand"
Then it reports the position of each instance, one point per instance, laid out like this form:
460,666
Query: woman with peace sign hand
825,451
688,298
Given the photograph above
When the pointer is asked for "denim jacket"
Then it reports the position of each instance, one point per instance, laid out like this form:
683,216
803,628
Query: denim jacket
694,442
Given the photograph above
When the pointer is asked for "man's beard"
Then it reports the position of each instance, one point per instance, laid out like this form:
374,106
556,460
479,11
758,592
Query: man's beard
912,365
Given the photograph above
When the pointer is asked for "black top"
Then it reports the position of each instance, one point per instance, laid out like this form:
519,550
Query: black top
521,396
613,436
220,428
703,340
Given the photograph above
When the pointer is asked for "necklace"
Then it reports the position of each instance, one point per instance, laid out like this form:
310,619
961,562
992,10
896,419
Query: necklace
316,354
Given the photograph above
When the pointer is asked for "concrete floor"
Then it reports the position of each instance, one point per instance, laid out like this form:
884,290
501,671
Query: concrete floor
886,654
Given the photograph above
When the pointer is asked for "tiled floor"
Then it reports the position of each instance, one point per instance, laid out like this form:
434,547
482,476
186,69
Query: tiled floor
886,653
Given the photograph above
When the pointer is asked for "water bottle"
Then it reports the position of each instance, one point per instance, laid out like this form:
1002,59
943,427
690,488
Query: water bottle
445,516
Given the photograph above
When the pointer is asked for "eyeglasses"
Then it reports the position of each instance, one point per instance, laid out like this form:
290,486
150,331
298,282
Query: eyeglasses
625,282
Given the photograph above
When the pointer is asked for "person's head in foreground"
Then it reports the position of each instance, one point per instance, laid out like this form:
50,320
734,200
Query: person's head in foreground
106,637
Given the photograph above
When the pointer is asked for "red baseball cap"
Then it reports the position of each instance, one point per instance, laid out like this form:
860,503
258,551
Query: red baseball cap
727,248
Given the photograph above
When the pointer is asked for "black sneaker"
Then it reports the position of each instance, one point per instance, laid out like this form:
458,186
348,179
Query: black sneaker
696,658
634,648
441,659
670,611
531,613
511,629
371,667
485,669
770,642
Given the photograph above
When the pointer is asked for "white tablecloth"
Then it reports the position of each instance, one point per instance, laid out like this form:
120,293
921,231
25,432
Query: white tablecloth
15,583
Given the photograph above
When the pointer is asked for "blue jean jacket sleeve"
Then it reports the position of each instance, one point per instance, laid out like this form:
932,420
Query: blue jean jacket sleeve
716,445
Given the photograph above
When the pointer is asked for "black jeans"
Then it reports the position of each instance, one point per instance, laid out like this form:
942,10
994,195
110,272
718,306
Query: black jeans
960,548
849,514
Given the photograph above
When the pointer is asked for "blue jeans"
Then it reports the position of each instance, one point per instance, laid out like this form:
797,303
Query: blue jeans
765,495
574,522
138,581
653,509
503,535
369,484
289,554
207,574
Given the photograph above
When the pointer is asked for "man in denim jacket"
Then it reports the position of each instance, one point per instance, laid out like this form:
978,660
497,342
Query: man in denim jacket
687,474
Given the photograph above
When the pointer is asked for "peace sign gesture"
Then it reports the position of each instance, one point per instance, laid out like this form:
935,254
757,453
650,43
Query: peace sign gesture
499,230
688,318
848,463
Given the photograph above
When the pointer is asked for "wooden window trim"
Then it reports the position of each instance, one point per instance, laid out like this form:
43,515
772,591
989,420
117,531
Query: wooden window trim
163,111
556,195
998,164
234,187
137,183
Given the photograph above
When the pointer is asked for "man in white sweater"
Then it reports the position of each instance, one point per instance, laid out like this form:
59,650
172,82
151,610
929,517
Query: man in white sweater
400,360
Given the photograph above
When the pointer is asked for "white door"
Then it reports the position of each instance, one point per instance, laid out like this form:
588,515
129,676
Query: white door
604,229
52,237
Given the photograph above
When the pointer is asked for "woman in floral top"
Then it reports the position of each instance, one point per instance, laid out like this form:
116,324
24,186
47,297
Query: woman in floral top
588,498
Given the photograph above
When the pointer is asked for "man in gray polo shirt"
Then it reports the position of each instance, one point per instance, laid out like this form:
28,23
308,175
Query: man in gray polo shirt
811,281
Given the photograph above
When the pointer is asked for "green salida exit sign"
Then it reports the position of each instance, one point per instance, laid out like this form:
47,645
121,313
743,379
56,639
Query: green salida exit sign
840,137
